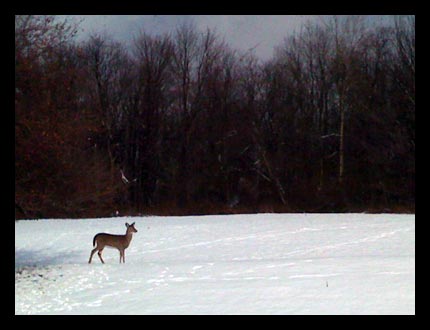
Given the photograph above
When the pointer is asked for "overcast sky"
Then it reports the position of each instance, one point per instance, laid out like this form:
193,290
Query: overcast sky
241,32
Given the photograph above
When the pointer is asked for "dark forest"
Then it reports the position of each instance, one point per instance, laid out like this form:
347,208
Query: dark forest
183,124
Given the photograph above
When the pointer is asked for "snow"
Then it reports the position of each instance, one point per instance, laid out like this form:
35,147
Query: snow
231,264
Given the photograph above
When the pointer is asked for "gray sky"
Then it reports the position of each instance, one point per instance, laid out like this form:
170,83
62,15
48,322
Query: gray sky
241,32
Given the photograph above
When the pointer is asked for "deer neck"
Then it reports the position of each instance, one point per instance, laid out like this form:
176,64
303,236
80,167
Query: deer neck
128,235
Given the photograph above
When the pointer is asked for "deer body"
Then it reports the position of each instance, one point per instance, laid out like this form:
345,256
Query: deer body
120,242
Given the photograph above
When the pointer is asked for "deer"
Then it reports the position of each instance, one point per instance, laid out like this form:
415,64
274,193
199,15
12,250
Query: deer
120,242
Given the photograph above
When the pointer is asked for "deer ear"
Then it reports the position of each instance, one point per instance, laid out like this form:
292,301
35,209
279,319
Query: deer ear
133,224
127,225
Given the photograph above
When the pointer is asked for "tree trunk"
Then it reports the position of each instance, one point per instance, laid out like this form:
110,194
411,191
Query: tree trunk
341,143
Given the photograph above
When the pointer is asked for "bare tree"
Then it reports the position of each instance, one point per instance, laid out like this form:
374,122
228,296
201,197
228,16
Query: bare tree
152,57
107,67
347,32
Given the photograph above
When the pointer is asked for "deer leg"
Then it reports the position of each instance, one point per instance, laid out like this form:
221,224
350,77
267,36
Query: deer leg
91,256
100,255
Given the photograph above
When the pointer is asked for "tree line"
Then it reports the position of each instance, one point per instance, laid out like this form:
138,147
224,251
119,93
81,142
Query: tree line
182,123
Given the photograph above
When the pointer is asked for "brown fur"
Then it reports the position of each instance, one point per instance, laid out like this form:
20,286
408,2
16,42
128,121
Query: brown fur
120,242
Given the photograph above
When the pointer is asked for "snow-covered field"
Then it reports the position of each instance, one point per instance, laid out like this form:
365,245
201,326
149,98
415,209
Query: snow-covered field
235,264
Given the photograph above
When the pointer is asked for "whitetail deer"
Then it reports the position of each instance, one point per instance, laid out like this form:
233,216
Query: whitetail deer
120,242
